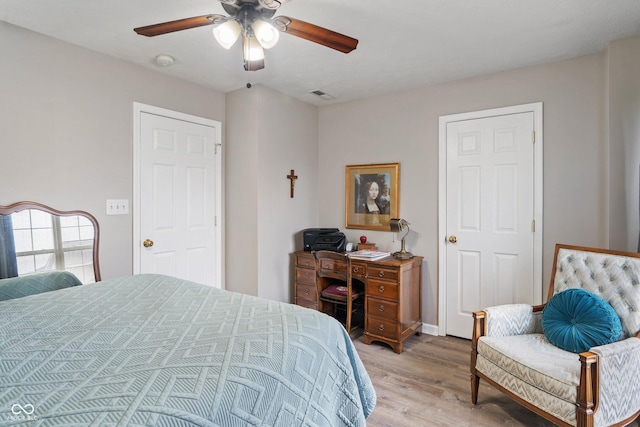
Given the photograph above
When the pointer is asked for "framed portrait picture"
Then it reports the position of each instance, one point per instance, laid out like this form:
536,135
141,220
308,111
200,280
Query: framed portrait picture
372,195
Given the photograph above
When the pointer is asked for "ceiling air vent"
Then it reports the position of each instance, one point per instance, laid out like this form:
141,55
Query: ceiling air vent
322,95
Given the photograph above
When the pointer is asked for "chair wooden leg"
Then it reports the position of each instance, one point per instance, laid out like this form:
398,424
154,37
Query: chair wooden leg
478,331
475,385
348,323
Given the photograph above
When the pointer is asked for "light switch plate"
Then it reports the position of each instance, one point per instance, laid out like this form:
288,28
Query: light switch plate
117,206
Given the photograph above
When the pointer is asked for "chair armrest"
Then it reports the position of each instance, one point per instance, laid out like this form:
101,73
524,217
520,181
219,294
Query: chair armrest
512,319
501,320
618,374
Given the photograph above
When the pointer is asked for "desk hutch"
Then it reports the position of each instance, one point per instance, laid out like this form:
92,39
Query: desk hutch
393,295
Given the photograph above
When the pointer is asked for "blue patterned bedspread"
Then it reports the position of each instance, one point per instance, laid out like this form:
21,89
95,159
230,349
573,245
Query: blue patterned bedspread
154,350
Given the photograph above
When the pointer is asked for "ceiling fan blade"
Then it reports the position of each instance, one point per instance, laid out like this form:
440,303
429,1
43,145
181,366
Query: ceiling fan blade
179,25
315,34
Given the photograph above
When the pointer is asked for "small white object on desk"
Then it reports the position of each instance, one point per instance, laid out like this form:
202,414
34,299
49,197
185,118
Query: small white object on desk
369,254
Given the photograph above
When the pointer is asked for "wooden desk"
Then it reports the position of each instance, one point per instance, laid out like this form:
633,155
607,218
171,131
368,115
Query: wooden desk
393,295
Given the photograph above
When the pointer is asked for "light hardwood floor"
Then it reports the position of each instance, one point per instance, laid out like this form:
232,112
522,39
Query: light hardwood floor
428,385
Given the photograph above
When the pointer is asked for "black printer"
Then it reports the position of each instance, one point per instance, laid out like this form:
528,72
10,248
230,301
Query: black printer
324,239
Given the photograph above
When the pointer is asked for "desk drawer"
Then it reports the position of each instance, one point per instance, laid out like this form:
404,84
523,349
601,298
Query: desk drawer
306,276
379,288
377,272
381,327
358,270
333,265
307,303
305,261
382,308
308,292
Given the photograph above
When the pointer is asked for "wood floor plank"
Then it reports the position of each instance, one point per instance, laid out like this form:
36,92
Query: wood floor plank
428,384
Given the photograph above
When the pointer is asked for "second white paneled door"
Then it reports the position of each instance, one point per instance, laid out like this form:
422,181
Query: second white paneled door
490,213
179,198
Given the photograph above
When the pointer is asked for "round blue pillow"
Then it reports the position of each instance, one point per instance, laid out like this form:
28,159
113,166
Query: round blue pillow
576,320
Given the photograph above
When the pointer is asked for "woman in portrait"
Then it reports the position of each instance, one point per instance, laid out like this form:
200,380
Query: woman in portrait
374,198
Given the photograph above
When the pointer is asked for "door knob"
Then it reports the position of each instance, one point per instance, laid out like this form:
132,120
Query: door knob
453,239
147,243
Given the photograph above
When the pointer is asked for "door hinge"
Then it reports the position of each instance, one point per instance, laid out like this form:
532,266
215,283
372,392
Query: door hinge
533,136
215,150
533,225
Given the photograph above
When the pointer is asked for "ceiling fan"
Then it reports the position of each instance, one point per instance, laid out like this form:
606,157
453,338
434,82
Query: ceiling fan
253,21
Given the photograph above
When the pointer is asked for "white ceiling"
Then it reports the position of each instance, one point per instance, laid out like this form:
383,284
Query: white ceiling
403,43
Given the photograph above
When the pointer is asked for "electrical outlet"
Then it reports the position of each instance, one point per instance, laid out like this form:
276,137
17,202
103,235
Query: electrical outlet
117,207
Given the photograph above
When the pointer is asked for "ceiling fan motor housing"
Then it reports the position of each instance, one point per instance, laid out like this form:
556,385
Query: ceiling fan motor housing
251,9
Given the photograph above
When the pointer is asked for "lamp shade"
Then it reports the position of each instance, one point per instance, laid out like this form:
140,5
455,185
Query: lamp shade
252,53
397,225
252,49
267,34
227,33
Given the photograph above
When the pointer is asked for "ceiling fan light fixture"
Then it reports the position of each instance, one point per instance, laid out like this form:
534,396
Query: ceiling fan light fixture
251,18
227,33
252,49
266,33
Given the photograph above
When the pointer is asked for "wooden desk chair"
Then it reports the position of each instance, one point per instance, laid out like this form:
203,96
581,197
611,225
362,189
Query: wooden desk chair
333,271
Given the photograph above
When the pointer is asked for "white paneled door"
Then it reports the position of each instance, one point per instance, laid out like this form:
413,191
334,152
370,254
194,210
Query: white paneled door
178,198
490,216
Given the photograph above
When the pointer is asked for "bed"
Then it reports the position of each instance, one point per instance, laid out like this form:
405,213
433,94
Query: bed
155,350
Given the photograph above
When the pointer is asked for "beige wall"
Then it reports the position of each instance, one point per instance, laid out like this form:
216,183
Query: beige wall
623,120
268,134
241,201
66,129
66,112
403,127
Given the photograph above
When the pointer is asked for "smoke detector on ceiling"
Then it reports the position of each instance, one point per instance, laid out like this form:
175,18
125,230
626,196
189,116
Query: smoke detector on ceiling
163,60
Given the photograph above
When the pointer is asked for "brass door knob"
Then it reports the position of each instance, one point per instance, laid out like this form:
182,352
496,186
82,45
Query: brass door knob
453,239
147,243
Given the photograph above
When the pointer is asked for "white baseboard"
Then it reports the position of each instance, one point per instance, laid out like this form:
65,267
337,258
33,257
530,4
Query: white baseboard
429,329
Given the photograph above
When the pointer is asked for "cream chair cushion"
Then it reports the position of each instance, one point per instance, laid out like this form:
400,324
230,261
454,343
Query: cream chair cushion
534,369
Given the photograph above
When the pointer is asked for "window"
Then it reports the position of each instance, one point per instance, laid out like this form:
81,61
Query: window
47,242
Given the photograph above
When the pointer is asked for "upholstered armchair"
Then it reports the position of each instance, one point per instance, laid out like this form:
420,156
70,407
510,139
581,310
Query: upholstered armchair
570,382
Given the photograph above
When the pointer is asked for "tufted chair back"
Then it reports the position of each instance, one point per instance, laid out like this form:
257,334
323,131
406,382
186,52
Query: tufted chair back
613,277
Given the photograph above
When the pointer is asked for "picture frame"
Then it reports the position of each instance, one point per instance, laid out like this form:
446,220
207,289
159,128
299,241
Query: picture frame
364,211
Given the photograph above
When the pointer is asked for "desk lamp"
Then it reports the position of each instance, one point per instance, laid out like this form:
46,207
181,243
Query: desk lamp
397,225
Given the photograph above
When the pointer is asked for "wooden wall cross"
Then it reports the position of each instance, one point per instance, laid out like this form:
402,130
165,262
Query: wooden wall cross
292,177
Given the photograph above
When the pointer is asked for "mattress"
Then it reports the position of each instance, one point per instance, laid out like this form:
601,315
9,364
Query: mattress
155,350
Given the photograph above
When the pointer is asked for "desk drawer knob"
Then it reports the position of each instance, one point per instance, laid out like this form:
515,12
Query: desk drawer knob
307,275
306,291
381,274
381,327
381,308
307,262
381,288
356,269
